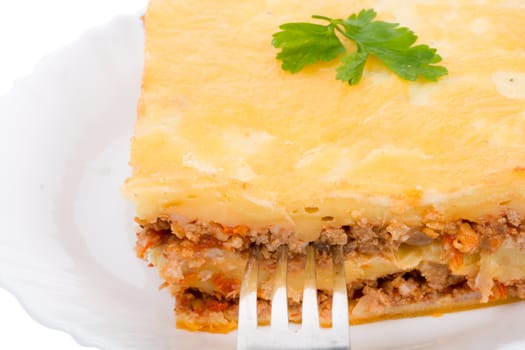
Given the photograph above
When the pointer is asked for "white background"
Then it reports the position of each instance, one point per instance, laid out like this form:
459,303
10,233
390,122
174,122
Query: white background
30,29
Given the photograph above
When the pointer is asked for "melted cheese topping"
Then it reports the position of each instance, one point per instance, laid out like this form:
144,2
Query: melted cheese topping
224,134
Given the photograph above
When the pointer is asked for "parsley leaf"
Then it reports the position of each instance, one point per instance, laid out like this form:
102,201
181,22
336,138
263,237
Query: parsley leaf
306,43
352,67
302,44
362,19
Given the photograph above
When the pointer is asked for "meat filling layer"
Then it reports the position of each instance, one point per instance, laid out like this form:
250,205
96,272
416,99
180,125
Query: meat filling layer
203,265
487,233
398,295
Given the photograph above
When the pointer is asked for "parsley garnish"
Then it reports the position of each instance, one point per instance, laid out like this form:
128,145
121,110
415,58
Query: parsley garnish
302,44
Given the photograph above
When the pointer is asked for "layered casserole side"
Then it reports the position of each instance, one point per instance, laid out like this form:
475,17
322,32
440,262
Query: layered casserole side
423,184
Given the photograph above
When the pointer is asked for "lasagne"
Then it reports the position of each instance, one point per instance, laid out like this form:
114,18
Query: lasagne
422,183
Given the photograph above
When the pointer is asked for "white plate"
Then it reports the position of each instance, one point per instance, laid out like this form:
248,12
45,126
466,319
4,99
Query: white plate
66,245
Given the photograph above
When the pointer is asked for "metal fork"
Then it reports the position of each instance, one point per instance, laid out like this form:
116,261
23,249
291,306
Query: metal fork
278,336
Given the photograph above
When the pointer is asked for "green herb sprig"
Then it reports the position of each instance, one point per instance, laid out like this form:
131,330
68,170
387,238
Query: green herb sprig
303,44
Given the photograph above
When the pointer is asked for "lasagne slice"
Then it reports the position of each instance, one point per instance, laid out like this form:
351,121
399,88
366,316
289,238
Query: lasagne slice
423,184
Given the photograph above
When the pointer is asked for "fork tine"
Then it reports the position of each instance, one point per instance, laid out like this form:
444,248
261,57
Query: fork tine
279,316
310,314
248,294
340,297
279,337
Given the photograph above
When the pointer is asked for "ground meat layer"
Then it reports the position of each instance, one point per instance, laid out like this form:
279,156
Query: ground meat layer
208,301
361,237
393,296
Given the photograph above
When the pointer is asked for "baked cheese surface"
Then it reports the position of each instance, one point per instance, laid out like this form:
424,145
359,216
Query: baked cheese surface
224,134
